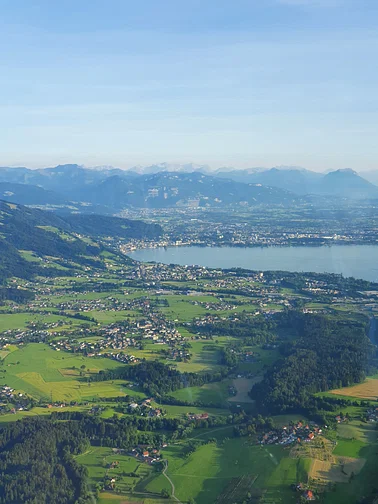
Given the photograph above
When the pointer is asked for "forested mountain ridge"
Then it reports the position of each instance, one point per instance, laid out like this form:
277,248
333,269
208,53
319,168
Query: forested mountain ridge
26,194
46,234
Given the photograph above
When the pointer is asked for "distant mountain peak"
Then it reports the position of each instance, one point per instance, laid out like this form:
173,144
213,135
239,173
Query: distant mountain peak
345,170
68,167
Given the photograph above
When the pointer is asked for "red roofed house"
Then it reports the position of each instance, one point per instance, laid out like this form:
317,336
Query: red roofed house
308,495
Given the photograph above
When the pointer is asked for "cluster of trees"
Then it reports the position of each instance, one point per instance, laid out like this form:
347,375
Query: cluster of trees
17,295
158,379
257,330
253,425
327,354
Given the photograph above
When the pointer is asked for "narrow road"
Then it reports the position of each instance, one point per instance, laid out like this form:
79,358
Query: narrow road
171,483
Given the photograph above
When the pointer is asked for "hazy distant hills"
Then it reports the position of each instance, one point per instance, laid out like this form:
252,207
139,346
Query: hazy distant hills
30,194
118,189
341,183
180,189
108,189
299,181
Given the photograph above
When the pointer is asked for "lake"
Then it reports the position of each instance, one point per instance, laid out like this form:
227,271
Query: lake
360,261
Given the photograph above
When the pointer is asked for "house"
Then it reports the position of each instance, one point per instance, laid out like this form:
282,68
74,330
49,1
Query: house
145,453
311,436
309,495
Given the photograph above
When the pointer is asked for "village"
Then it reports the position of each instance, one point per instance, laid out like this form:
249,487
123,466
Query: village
295,433
145,408
372,414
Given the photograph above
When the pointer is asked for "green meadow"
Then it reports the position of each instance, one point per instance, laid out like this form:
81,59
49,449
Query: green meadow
20,320
39,371
205,474
98,460
215,393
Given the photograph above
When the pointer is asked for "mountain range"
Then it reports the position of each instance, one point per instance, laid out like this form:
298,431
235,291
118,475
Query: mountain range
107,189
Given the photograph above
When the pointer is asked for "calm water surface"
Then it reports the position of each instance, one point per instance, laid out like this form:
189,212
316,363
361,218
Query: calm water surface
360,261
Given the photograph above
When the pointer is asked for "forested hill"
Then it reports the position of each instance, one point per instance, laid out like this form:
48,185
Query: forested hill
327,354
101,225
46,234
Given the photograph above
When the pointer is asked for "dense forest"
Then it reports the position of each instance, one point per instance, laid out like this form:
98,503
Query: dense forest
158,379
254,329
328,353
37,464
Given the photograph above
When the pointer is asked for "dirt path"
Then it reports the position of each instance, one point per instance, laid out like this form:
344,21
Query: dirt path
171,483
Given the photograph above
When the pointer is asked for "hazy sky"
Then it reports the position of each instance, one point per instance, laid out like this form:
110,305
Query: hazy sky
223,82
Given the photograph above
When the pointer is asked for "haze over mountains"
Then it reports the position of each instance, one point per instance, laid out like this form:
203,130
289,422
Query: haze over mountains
104,189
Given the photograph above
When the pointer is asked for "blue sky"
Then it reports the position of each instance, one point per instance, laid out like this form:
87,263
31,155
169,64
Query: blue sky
229,83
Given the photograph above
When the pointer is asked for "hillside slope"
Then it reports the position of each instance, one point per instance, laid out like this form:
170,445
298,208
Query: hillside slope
56,238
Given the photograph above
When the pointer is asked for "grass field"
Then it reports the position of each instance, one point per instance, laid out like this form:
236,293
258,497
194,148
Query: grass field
98,461
215,393
205,354
20,320
39,371
338,470
366,390
356,451
349,448
206,473
182,411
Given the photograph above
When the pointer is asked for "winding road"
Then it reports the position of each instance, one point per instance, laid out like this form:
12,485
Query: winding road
171,483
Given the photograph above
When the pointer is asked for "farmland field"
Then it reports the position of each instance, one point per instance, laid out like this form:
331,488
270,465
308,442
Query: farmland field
210,469
337,471
20,320
366,390
39,371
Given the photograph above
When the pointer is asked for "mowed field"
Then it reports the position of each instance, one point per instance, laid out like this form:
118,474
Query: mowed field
366,390
208,472
39,371
215,393
337,471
